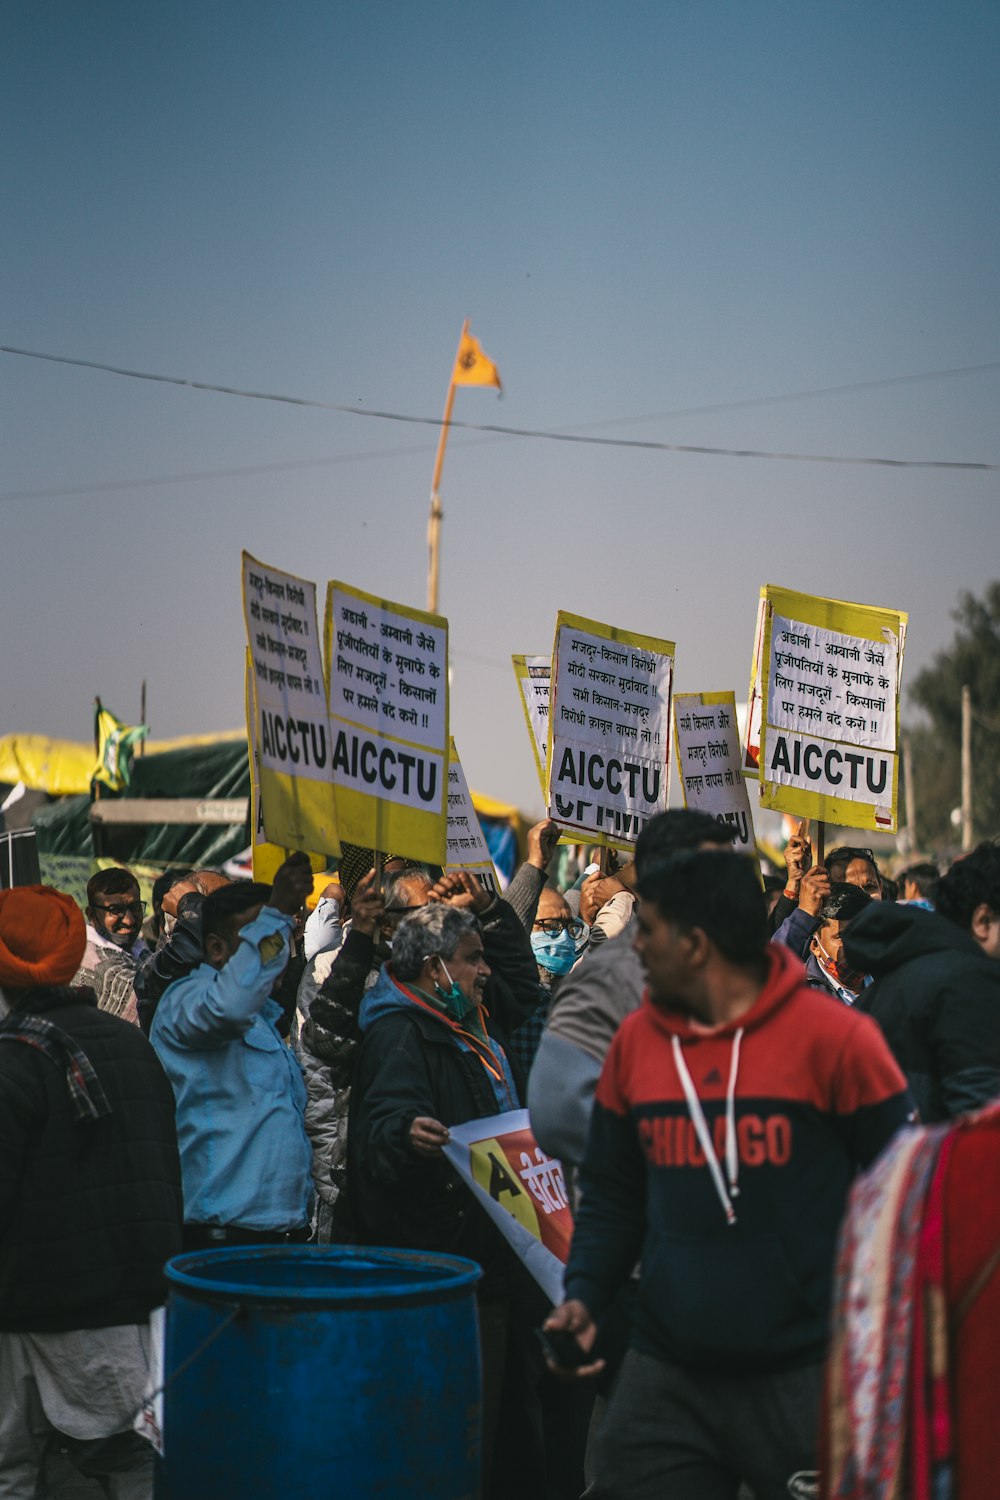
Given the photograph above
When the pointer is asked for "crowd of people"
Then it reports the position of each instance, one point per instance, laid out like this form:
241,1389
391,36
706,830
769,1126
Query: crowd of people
717,1061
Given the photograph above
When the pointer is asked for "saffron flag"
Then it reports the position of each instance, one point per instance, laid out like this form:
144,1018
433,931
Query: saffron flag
471,365
115,746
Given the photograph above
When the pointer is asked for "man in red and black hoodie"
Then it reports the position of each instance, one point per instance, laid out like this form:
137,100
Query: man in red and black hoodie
734,1109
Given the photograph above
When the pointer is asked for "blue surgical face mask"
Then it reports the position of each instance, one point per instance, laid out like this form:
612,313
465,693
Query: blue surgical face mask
557,953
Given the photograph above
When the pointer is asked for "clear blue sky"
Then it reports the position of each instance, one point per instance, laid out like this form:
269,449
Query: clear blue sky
644,208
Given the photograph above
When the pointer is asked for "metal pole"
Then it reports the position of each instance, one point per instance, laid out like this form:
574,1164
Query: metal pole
95,785
966,767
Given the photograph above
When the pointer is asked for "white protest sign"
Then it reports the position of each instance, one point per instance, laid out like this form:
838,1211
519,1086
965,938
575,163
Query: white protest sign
467,846
708,761
389,719
522,1190
288,671
533,675
291,729
843,684
609,731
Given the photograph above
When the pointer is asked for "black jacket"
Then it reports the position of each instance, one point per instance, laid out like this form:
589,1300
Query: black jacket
174,957
89,1210
409,1065
936,997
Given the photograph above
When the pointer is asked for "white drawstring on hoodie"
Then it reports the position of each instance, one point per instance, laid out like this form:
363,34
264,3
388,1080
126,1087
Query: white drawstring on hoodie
703,1133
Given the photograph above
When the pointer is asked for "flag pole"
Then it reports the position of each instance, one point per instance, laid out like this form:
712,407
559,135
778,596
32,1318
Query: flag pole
434,521
95,785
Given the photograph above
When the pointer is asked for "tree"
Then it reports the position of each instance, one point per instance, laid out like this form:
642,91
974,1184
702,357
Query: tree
974,658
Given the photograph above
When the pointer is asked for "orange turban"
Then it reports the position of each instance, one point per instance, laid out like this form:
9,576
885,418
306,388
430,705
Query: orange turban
42,937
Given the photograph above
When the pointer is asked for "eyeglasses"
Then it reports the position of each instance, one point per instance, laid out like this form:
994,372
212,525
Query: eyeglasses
122,908
553,926
848,853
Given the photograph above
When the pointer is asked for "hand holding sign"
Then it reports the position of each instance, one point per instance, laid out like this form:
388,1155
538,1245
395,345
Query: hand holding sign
460,888
542,841
367,906
428,1137
292,884
595,893
814,890
798,853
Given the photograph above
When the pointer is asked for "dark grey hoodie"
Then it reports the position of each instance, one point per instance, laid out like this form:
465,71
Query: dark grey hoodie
936,997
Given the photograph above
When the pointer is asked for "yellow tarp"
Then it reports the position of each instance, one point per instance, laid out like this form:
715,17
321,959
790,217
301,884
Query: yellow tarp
63,768
490,807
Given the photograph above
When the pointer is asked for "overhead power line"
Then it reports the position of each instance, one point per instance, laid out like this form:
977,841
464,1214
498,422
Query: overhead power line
493,427
369,455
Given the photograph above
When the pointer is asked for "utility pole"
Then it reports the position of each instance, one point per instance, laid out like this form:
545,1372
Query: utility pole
966,767
911,797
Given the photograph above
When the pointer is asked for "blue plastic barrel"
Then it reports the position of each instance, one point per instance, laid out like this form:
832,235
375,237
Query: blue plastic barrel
321,1373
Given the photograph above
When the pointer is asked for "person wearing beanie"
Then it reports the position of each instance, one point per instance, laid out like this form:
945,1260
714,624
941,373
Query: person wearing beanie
90,1208
42,937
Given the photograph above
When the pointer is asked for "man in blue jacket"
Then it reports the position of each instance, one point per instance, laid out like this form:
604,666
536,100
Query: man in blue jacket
245,1158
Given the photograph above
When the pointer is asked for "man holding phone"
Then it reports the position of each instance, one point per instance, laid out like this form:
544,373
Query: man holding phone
731,1115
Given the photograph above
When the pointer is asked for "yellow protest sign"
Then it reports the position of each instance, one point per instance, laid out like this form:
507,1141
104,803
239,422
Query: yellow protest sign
290,727
751,748
609,729
388,692
829,691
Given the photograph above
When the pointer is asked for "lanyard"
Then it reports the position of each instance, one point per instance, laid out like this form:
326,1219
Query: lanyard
704,1134
494,1067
